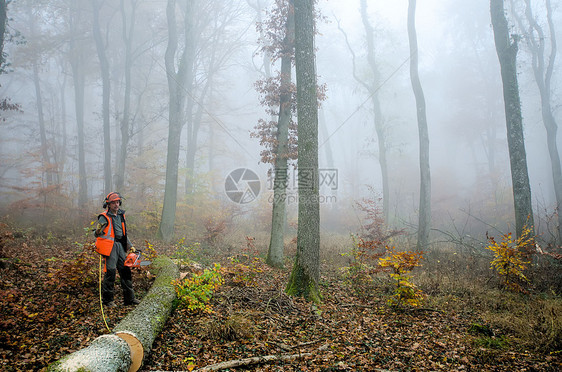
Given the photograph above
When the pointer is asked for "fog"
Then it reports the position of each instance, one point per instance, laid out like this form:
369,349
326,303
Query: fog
459,73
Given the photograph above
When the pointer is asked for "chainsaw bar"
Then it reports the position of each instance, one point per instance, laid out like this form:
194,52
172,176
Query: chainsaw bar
134,260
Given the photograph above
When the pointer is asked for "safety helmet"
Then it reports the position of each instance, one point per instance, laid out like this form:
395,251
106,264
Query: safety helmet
111,197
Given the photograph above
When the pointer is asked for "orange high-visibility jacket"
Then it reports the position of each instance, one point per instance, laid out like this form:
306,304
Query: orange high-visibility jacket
104,242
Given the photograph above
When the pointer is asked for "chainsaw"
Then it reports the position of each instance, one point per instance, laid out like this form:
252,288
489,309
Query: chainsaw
134,259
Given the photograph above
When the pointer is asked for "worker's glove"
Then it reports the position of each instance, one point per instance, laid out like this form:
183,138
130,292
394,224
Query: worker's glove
133,250
99,230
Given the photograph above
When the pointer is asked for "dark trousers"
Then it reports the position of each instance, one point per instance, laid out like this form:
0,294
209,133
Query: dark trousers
116,262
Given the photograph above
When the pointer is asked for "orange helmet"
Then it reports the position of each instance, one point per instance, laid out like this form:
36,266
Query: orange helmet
111,197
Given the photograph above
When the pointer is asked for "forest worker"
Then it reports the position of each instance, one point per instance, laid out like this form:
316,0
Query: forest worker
112,242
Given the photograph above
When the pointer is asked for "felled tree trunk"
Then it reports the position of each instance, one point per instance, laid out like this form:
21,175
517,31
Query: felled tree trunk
126,349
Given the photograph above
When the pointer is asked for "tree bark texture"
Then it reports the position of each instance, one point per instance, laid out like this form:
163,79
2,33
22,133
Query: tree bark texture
306,270
132,338
176,87
275,255
424,224
506,49
3,20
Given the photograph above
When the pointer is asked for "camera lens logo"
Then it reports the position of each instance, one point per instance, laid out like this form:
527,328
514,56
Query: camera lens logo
242,186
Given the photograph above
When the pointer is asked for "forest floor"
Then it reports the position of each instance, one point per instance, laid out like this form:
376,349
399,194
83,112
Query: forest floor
49,305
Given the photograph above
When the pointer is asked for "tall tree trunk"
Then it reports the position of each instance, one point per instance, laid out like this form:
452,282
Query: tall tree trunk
506,49
104,67
176,85
3,20
193,134
191,141
373,88
60,161
128,34
193,126
139,144
46,162
425,176
306,270
275,256
77,66
47,169
535,38
193,121
61,154
79,86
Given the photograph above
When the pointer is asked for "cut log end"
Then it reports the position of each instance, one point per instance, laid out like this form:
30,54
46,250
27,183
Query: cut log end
137,351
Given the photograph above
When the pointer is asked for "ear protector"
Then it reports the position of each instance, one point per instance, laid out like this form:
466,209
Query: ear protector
111,197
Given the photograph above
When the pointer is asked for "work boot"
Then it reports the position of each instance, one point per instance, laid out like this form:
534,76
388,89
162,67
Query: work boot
109,304
134,302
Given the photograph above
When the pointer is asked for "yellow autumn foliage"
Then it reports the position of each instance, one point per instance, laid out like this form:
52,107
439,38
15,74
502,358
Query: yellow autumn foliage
510,258
401,263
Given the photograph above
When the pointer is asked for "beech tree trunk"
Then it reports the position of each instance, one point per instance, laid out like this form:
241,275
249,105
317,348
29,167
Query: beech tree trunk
176,86
3,20
306,270
506,48
536,39
132,338
275,255
425,176
47,167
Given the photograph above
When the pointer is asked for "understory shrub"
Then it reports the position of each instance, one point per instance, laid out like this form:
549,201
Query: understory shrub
406,293
511,258
245,269
185,253
195,292
359,275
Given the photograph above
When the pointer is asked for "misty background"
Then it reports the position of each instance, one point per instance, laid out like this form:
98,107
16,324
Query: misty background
459,72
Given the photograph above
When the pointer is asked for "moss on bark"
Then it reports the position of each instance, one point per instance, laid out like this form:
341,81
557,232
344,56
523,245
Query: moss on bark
148,318
303,285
